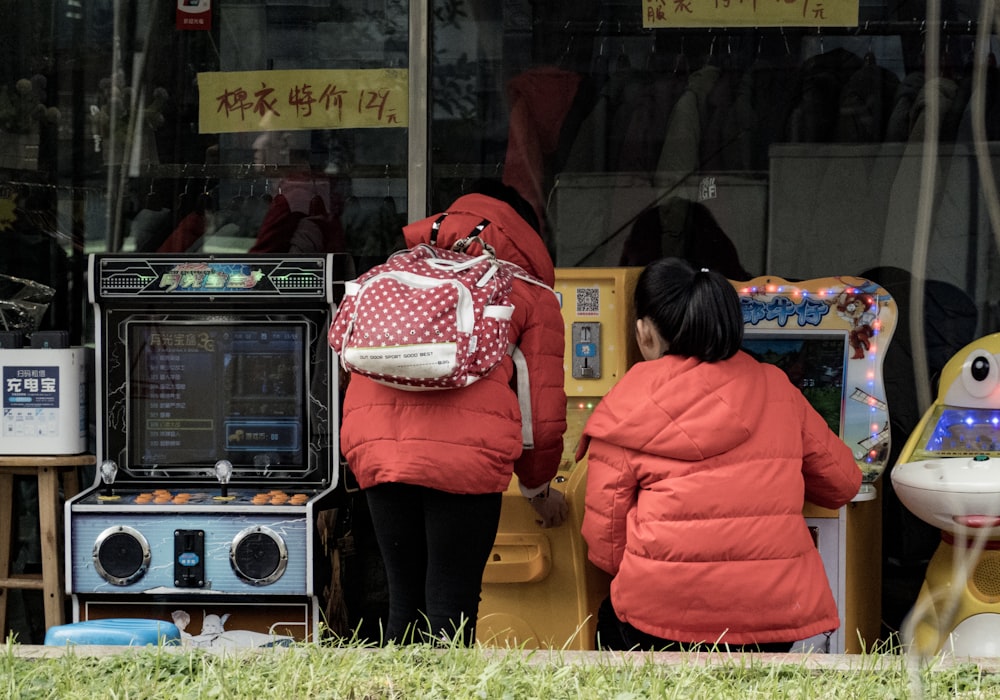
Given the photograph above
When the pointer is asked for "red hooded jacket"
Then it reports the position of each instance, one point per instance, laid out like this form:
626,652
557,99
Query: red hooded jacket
696,480
468,440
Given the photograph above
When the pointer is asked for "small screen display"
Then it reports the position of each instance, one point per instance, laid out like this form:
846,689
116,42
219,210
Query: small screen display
960,432
201,392
815,363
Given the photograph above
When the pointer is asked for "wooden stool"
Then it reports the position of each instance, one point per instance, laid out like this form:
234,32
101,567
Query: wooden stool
46,469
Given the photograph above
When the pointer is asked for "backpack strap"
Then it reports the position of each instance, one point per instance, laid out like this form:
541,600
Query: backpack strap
523,396
435,227
474,233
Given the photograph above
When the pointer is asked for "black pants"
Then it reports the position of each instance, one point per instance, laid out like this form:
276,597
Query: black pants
435,546
616,635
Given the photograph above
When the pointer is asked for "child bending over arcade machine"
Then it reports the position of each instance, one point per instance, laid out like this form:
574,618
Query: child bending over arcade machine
434,464
700,460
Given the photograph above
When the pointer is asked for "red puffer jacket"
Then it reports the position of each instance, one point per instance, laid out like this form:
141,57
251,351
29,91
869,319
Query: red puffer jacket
468,440
696,479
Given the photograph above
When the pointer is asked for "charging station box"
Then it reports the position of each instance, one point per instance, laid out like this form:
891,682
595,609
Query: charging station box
44,401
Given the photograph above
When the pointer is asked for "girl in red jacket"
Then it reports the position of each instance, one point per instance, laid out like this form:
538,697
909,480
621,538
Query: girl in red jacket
700,461
434,464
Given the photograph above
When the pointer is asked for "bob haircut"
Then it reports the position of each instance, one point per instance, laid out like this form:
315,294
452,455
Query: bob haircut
696,311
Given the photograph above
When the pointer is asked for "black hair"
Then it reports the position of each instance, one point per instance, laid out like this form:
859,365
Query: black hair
696,311
509,195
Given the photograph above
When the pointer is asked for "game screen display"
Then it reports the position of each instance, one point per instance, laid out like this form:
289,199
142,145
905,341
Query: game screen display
960,432
814,362
201,392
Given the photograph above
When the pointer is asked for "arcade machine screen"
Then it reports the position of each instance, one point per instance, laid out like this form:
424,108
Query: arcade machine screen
959,432
830,337
815,363
198,393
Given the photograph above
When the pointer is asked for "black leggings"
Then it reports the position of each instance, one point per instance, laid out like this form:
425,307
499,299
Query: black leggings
435,546
616,635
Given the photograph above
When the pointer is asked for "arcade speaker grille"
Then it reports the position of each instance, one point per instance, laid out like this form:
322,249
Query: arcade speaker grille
258,555
121,555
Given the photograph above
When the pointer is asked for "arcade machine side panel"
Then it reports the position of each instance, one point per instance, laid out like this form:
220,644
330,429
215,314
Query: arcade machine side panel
539,589
830,336
217,437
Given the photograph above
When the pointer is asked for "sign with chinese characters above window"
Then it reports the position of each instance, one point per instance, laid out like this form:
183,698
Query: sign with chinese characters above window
285,100
194,15
749,13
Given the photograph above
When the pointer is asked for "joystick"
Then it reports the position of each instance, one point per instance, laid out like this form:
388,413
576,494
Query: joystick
108,472
223,472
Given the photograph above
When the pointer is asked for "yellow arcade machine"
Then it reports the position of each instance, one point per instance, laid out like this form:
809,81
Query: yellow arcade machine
539,589
831,335
948,475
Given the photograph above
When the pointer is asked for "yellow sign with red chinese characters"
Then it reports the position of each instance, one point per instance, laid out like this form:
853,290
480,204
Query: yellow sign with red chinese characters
285,100
749,13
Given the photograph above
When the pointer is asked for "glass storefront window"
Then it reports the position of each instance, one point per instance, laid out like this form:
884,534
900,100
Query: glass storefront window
226,126
218,126
795,152
794,147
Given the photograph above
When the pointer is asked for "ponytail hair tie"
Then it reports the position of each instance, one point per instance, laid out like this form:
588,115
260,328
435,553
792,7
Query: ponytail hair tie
704,269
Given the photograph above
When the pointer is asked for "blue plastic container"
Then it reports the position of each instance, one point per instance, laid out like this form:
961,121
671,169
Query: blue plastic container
114,632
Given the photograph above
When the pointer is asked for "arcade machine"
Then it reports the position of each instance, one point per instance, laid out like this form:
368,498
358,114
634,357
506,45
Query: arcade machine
948,475
829,335
217,447
539,589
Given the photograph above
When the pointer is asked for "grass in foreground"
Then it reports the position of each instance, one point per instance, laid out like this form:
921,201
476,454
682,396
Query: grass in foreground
357,672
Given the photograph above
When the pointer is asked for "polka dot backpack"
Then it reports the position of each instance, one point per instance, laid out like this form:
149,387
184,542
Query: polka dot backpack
429,317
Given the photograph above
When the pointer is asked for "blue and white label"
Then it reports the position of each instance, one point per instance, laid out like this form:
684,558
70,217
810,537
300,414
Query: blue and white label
30,401
188,559
37,387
